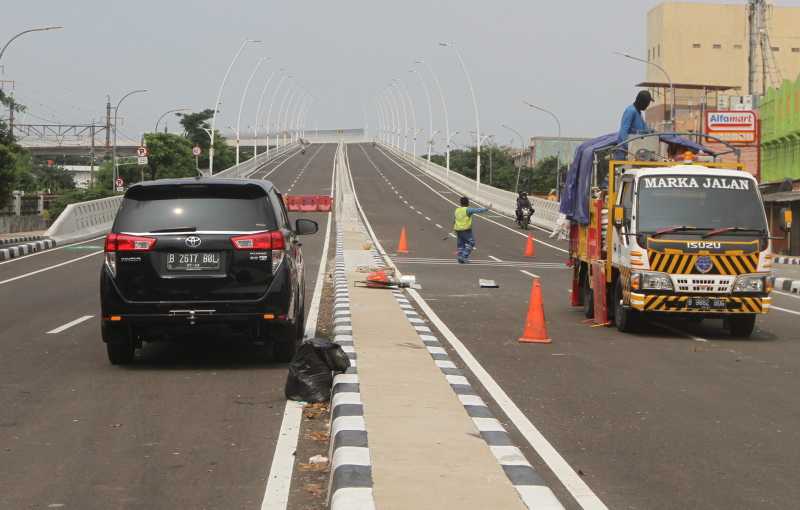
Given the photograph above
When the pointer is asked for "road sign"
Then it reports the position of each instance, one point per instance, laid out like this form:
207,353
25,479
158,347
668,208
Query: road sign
119,183
737,126
142,160
196,150
141,152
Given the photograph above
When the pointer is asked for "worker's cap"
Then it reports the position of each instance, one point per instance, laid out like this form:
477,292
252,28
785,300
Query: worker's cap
644,96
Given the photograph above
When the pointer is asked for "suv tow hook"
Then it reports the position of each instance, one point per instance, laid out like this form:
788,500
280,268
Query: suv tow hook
190,315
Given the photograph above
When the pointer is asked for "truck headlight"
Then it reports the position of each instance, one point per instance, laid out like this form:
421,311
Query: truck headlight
750,283
654,281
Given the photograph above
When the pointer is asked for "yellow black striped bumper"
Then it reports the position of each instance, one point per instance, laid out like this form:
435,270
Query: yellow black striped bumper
686,304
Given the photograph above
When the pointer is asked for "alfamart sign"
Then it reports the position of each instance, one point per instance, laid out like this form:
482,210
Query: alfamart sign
738,126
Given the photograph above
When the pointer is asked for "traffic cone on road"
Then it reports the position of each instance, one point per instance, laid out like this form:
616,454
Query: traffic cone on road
535,328
530,248
402,246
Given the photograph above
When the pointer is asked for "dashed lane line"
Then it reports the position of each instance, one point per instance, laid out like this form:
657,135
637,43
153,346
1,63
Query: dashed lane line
494,258
439,226
529,274
51,250
48,268
68,325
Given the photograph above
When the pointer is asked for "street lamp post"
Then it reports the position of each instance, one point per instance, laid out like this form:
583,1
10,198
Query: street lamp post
258,115
430,110
39,29
281,122
269,110
114,147
558,152
219,98
522,151
446,118
395,115
671,87
182,109
404,91
241,105
393,86
475,106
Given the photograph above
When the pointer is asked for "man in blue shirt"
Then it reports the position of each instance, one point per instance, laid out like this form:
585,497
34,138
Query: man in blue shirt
632,121
463,228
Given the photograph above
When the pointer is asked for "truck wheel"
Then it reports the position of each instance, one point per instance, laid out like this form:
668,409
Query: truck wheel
120,344
741,327
626,319
587,295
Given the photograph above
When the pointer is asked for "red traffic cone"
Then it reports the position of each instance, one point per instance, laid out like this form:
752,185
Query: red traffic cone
530,248
535,327
402,246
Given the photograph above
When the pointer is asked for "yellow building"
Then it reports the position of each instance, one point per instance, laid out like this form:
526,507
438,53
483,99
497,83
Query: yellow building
708,44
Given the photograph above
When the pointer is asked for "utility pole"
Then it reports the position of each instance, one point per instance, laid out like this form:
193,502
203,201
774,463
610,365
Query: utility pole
108,122
11,116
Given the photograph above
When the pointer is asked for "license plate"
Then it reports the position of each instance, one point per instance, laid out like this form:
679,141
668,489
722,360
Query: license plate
704,303
193,261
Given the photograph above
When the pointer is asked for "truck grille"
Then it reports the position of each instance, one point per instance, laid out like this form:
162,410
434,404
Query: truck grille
703,285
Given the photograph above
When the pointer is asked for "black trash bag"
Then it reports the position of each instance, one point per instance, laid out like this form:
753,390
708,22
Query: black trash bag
332,353
310,379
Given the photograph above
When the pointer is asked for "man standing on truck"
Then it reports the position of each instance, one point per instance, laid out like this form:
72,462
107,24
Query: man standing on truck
463,228
632,122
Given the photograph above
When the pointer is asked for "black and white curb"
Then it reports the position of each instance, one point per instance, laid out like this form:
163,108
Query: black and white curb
26,249
787,285
17,240
529,485
350,486
787,260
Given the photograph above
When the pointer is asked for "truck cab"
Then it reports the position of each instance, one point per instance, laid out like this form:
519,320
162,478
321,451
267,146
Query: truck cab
674,238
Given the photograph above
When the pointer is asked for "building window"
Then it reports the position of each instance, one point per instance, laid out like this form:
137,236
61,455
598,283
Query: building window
717,46
737,46
775,48
795,50
696,45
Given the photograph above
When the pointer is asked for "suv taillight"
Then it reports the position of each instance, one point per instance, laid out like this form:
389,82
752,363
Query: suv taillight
260,241
124,242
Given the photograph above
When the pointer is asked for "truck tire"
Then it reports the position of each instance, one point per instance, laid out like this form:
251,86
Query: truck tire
626,319
120,345
587,296
741,327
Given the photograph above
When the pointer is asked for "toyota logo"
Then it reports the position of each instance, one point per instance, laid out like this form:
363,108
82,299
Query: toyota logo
193,241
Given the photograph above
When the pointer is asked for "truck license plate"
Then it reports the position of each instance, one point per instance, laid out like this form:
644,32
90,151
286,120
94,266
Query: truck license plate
705,303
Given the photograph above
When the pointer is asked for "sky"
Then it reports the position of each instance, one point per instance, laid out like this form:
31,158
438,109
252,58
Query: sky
557,54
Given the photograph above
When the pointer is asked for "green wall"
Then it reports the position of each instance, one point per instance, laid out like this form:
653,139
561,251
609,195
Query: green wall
780,132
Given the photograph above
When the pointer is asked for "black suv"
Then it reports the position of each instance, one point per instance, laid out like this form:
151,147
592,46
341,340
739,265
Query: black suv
188,253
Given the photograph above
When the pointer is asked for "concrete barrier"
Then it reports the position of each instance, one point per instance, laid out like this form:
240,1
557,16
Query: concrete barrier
546,211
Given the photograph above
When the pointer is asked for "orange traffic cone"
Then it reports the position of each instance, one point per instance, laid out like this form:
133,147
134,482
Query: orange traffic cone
535,327
530,248
402,246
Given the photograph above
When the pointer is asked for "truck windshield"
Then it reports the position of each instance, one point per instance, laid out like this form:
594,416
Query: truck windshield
705,202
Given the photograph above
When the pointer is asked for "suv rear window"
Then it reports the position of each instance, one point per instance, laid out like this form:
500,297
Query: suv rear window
195,206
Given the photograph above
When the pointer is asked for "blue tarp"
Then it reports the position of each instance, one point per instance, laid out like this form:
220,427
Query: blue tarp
575,196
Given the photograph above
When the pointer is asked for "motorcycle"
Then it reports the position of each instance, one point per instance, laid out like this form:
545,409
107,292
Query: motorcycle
524,218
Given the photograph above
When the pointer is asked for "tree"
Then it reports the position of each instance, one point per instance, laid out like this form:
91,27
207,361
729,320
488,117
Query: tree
170,156
9,154
196,127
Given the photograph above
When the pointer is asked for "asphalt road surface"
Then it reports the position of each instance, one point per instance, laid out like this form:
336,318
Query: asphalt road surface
677,416
187,426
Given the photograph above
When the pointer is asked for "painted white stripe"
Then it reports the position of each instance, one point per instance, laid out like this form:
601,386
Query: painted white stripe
436,350
424,329
451,235
509,455
529,274
439,226
350,455
345,397
456,379
679,332
414,320
538,496
471,400
345,379
347,423
276,494
343,338
342,320
488,425
70,324
443,363
773,307
428,338
48,268
494,258
428,218
348,348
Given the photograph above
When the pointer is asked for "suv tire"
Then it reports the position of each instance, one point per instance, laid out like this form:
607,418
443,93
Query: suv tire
120,345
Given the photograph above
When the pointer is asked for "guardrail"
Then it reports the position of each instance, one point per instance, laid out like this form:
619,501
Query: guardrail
546,211
83,220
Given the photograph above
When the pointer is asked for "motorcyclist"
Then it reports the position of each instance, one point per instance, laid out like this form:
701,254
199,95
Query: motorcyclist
523,202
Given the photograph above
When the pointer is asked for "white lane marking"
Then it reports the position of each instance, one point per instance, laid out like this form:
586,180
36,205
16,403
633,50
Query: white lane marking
451,234
276,494
388,156
70,324
264,177
584,495
680,332
48,268
785,310
529,274
411,206
51,250
795,296
439,226
494,258
428,218
419,212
